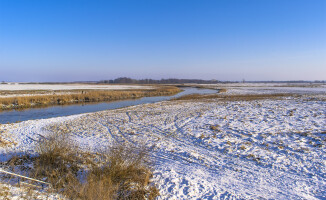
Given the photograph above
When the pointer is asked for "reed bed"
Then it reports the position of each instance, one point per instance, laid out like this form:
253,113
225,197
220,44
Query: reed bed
82,96
247,97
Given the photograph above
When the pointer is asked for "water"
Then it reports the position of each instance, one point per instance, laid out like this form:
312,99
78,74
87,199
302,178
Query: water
57,111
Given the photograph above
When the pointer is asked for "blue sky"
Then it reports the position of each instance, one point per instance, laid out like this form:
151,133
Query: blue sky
72,40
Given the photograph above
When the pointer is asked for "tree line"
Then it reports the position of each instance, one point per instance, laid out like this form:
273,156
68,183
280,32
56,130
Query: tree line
162,81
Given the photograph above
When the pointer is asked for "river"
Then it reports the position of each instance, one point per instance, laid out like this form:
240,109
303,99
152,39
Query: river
65,110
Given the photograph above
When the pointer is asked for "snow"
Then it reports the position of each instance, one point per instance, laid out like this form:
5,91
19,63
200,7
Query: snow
275,90
8,191
20,90
15,87
271,88
261,149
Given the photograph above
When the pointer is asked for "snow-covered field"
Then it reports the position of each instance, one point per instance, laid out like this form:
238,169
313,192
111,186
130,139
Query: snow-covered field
274,90
12,87
14,90
209,149
271,88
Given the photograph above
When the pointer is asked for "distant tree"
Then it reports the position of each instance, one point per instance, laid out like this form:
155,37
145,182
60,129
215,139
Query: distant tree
162,81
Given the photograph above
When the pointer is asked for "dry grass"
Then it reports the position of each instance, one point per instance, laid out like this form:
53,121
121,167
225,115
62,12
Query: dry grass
122,172
4,192
234,97
215,127
4,139
197,97
3,143
81,97
256,97
23,92
58,161
124,175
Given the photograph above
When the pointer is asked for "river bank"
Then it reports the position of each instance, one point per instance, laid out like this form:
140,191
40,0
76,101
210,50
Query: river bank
37,99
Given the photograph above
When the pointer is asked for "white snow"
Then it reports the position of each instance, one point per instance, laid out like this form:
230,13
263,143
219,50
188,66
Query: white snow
15,90
13,87
274,90
8,191
263,149
271,88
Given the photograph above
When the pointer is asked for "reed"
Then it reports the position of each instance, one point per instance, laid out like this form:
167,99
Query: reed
81,96
246,97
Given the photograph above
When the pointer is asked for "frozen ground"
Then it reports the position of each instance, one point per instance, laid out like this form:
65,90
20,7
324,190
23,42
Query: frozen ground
12,87
14,90
263,149
275,90
271,88
11,192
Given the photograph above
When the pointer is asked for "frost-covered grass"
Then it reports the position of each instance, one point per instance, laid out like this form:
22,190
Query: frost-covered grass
208,149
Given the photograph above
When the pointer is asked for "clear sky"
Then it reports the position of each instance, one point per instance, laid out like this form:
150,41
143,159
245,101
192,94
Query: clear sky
71,40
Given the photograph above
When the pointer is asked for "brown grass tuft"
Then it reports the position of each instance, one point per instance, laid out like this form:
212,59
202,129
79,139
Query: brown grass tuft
122,172
215,127
57,161
124,175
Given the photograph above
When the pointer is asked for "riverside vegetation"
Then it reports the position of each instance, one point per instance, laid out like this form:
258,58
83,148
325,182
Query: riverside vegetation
82,96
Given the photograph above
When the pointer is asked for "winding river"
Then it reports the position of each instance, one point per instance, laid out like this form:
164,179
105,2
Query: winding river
65,110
